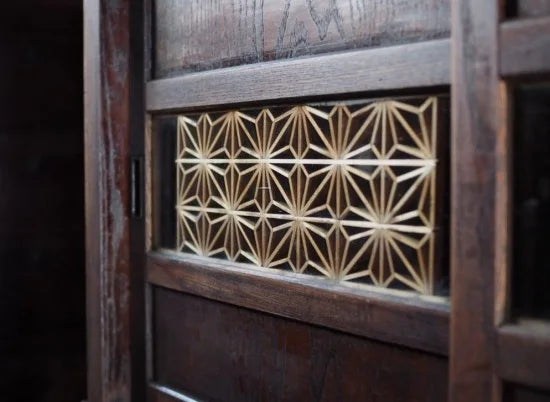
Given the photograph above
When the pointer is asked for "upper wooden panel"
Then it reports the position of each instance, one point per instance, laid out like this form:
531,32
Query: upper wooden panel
194,35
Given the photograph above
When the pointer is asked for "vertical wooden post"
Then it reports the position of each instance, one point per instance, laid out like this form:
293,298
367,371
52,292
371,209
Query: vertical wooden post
477,104
107,147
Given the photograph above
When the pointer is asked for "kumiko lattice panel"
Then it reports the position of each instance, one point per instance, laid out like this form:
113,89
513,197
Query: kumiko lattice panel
346,191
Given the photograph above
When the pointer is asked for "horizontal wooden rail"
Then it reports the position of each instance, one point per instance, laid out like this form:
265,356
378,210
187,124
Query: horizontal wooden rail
411,321
523,354
525,47
423,64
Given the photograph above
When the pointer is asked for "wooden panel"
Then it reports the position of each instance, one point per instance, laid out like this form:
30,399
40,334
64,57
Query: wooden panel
524,354
525,47
425,64
195,35
372,314
214,351
476,136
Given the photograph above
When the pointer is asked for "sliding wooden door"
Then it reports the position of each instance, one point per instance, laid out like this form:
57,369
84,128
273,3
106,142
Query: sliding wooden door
315,200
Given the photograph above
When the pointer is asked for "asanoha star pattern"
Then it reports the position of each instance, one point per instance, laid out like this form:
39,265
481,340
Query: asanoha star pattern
346,191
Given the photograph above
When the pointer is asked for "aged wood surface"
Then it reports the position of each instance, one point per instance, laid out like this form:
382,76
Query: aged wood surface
214,351
525,47
425,64
107,130
194,35
523,354
376,315
474,142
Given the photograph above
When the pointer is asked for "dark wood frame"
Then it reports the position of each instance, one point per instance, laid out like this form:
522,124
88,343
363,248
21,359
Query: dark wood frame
113,81
373,315
415,67
488,56
106,29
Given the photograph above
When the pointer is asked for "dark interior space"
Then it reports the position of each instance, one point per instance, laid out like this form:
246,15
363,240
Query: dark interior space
42,282
531,146
518,393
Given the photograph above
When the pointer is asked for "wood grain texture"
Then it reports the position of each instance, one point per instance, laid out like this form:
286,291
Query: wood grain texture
370,314
425,64
525,47
214,351
523,354
195,35
476,117
107,143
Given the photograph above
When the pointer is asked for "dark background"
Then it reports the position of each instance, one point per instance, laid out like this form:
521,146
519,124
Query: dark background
42,289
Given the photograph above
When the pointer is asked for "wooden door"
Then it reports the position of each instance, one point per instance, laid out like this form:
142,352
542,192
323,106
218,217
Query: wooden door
283,205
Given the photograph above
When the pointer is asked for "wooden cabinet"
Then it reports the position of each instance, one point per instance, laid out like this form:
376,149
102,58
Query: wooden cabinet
306,200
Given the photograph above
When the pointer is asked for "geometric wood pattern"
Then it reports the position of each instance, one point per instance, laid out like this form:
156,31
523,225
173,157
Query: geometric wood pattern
346,191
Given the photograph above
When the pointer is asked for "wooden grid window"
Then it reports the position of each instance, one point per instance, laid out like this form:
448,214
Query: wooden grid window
346,191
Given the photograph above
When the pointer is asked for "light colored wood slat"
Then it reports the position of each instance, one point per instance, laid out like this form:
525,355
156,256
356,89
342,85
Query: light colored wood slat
241,215
161,393
424,64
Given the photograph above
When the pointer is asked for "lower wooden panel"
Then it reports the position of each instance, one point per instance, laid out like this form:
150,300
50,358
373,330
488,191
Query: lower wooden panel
363,313
214,351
